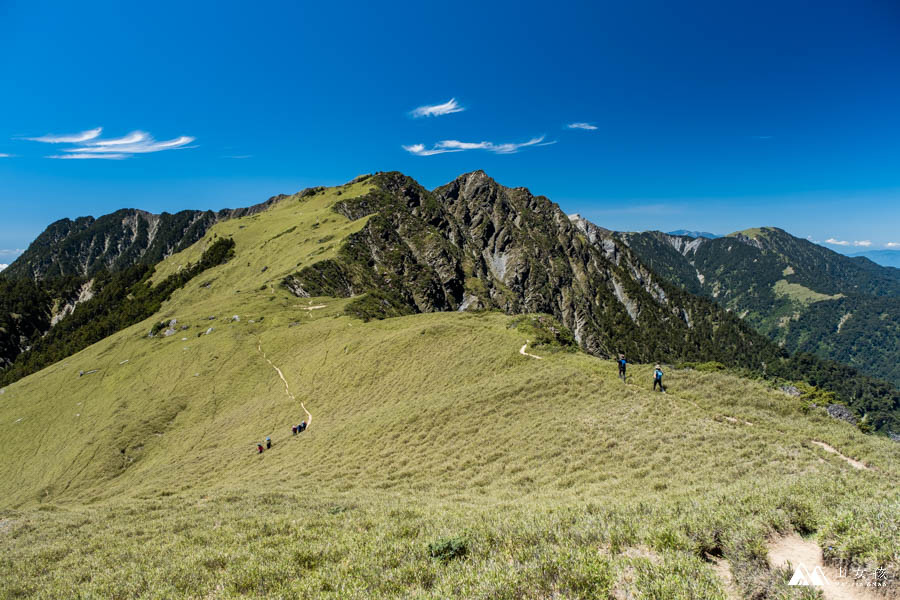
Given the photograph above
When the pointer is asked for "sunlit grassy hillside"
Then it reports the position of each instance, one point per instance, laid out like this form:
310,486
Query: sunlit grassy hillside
441,462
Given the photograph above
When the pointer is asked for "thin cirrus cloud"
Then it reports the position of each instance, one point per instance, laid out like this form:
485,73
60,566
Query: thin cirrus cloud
436,110
67,138
836,242
893,245
87,145
445,146
581,125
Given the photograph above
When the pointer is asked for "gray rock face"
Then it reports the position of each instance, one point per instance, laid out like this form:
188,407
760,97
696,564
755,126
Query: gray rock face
839,411
168,332
476,244
790,390
118,240
209,331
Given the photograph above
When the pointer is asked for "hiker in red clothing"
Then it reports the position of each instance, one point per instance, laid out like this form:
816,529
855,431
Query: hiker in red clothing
259,448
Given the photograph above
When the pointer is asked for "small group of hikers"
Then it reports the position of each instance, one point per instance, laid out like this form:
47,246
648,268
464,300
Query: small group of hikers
657,374
295,429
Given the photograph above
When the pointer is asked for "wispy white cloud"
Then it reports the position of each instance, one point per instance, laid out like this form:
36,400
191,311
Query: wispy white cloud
457,146
836,242
436,110
2,155
9,252
586,126
238,156
67,138
132,138
89,156
137,142
893,245
3,267
90,147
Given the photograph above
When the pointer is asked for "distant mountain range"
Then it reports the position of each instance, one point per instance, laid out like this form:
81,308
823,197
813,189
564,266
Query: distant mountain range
802,295
695,234
885,258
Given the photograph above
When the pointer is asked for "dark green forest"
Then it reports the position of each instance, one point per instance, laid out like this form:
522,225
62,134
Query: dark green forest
121,299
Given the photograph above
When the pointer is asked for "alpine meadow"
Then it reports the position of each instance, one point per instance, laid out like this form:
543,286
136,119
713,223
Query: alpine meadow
428,301
477,453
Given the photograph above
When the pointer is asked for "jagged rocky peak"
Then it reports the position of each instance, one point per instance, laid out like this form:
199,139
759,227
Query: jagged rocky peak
86,245
594,232
473,243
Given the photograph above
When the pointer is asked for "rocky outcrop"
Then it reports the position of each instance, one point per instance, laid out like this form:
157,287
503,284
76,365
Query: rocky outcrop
474,244
82,247
839,411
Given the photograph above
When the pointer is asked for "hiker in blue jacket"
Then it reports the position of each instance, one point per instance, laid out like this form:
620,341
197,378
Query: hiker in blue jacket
657,379
622,364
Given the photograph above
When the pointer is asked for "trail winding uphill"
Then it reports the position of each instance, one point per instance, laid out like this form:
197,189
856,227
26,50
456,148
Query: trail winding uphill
287,388
523,353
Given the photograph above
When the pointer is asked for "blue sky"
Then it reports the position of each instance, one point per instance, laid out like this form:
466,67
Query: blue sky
707,115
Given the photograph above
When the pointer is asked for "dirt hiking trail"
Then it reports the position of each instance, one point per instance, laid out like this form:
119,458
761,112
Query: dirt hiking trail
723,571
852,462
792,551
523,353
287,388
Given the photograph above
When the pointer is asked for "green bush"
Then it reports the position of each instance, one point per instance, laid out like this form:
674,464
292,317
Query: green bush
544,330
446,549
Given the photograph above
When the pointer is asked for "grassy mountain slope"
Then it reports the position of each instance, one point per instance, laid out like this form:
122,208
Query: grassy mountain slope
441,462
803,296
116,241
70,261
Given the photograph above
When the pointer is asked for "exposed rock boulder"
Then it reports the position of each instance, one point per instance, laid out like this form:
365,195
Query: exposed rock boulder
839,411
790,390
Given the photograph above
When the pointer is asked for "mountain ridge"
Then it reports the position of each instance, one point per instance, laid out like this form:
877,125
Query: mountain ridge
473,244
441,461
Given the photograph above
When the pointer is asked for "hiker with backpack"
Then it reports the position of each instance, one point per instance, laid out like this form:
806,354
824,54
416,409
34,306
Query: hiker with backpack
622,364
657,379
268,443
301,427
259,448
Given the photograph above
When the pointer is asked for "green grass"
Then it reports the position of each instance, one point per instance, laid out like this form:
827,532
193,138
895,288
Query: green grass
440,461
801,294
